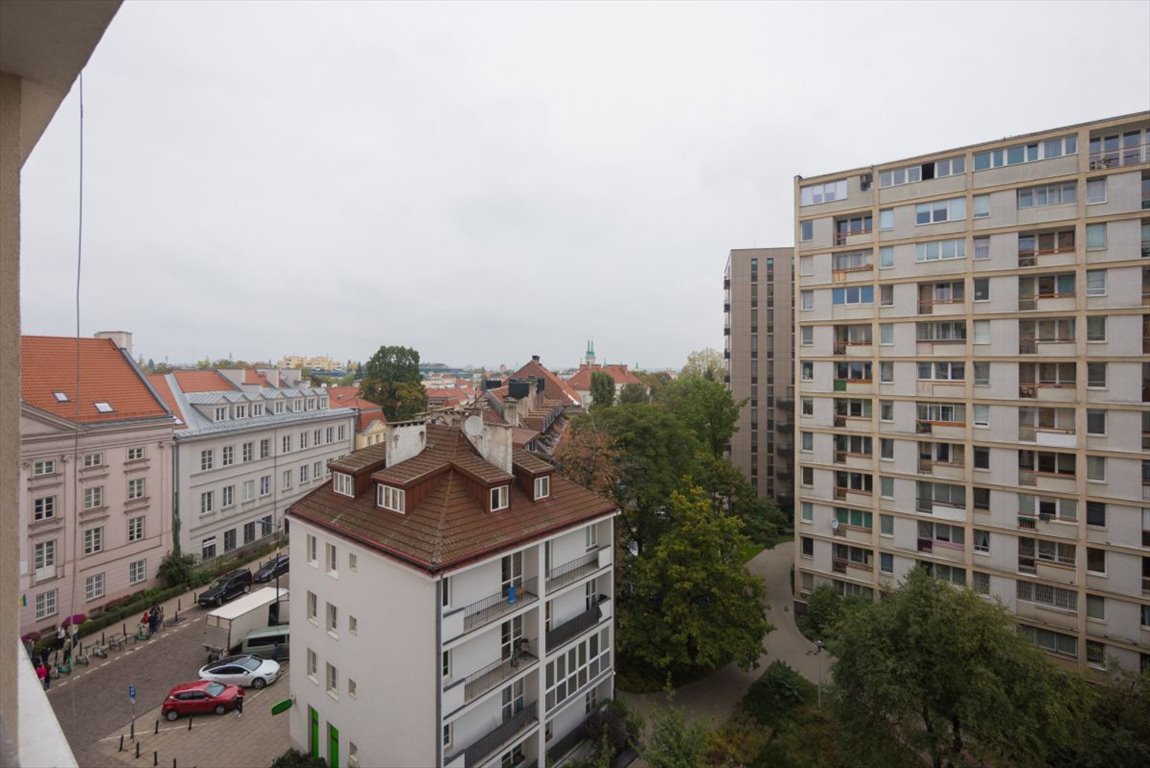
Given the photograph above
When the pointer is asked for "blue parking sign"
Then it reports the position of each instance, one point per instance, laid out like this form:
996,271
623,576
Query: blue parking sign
132,693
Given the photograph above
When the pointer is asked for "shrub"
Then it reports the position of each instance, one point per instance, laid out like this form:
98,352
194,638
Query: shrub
293,758
176,569
776,694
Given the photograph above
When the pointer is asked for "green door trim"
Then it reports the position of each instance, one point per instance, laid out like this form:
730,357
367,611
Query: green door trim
313,731
332,746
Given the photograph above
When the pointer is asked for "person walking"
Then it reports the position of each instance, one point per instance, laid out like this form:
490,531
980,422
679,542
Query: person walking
68,653
239,707
60,633
42,673
153,619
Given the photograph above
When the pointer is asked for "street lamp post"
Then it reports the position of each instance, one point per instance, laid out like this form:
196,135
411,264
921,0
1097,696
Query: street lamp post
819,661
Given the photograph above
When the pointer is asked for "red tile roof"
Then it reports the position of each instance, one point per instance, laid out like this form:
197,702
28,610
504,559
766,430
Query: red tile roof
203,381
449,527
582,378
554,388
252,376
348,397
48,365
160,383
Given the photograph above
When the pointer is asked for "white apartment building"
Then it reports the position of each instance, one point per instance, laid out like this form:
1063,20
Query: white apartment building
458,605
95,477
244,453
973,380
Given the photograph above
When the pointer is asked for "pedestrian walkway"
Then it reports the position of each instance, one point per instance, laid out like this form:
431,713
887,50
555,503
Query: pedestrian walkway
712,699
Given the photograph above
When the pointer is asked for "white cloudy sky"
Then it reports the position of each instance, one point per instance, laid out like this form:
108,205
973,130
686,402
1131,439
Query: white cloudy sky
485,182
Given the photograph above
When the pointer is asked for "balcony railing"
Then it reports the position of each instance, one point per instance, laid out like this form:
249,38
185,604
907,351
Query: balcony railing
1119,156
575,626
925,466
572,571
486,745
1027,476
500,604
839,565
561,747
1146,585
490,676
925,545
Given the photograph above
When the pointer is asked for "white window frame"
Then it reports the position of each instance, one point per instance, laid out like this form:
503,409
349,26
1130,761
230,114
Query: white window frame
500,497
343,484
136,488
93,540
94,587
391,498
136,528
542,487
137,571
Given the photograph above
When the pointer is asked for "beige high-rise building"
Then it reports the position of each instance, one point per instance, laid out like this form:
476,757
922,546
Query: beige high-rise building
758,287
973,380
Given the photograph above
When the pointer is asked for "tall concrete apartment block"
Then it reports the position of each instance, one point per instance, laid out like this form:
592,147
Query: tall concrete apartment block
974,380
758,306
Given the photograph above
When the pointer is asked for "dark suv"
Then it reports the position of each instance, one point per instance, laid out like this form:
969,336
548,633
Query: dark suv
228,586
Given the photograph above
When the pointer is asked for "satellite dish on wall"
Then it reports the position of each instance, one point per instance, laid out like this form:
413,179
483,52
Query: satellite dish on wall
473,426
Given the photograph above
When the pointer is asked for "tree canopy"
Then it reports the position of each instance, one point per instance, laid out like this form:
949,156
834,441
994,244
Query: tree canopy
945,672
391,378
692,602
602,390
706,407
706,364
632,393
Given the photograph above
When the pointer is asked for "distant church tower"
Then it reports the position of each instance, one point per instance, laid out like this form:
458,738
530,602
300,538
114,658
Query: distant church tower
589,358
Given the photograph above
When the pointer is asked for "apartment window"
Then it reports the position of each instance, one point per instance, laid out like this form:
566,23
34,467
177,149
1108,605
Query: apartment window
944,494
312,550
807,441
886,562
808,545
886,372
1055,642
940,210
886,524
899,176
265,485
807,511
207,459
94,497
981,498
823,193
807,335
1096,282
257,409
981,331
304,473
328,435
1049,595
391,498
93,459
981,248
982,289
1048,194
332,559
1095,421
982,374
352,562
44,555
1095,607
343,485
1096,513
943,331
286,441
312,664
94,540
208,548
297,405
981,541
312,607
265,447
229,539
940,250
807,370
807,406
342,431
136,528
1096,328
1096,375
945,413
303,440
886,410
807,475
41,468
46,604
136,453
207,502
499,498
1095,191
886,295
807,300
227,457
287,478
886,219
1096,560
136,488
94,587
332,619
1095,237
332,675
806,231
137,571
858,295
981,206
317,469
227,496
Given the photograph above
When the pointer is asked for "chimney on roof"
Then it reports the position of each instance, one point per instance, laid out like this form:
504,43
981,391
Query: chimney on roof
535,358
122,339
405,441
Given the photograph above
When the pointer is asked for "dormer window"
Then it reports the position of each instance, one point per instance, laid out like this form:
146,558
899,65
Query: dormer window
323,403
542,487
311,403
297,405
241,411
499,498
279,406
391,498
257,409
343,484
222,413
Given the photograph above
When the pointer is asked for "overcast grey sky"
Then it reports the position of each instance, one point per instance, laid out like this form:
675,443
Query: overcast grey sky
485,182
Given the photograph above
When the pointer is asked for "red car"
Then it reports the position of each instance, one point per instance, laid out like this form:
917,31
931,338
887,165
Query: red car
200,697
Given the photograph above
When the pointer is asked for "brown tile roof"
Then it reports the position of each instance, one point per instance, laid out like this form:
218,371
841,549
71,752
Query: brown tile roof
521,436
159,383
203,381
48,365
449,527
447,448
357,460
532,464
554,388
582,378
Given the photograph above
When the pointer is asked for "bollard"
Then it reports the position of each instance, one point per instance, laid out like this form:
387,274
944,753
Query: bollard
179,605
189,722
101,637
124,628
173,762
157,733
133,729
137,750
121,742
155,758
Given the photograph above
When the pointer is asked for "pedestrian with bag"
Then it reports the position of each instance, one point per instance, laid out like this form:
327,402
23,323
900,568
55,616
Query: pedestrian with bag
42,673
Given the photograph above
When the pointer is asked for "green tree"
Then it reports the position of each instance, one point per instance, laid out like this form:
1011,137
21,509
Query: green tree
1116,730
825,609
632,393
706,407
946,673
391,378
588,456
656,451
705,363
656,384
602,390
694,605
674,742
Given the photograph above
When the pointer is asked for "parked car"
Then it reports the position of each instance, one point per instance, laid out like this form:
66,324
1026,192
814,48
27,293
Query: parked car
277,566
269,643
228,586
200,697
248,671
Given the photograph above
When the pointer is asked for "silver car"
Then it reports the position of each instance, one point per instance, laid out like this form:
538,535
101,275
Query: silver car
244,671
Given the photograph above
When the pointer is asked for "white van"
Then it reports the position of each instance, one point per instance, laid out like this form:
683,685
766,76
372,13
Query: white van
269,643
